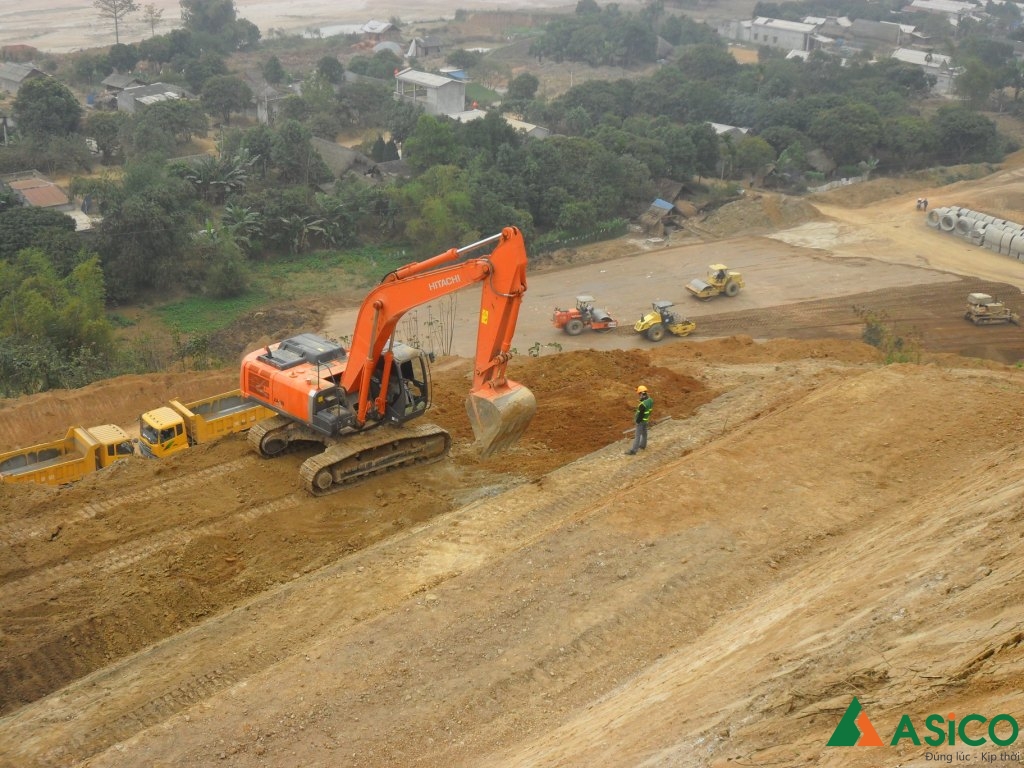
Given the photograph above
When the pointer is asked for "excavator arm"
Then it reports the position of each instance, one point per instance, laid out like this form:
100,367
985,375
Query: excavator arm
499,409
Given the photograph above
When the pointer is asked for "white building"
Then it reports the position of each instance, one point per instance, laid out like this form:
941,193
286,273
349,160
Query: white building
436,94
937,65
777,33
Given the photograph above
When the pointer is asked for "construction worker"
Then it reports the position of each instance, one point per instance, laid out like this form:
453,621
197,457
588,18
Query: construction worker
641,418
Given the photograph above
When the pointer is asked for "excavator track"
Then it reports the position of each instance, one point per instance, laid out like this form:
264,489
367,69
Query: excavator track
261,429
353,458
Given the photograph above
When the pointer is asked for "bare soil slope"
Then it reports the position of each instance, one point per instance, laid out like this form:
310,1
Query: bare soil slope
809,525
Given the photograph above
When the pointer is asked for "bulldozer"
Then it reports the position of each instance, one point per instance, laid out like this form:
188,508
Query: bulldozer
661,320
356,402
585,315
982,309
719,280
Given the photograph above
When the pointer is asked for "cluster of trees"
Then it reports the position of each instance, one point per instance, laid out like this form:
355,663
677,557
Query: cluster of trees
52,304
855,113
610,36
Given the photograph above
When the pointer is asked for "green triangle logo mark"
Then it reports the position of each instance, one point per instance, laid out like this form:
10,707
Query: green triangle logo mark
855,729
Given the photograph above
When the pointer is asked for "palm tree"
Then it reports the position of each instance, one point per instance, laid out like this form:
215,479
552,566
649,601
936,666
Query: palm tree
243,225
216,177
297,231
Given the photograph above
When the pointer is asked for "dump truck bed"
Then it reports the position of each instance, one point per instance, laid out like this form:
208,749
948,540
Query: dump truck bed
220,415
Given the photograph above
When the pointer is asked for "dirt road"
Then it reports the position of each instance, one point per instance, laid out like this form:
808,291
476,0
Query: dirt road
808,526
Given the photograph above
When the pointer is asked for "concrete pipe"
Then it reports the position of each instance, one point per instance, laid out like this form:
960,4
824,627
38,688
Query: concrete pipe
965,225
948,221
993,236
934,216
1017,246
1004,241
977,235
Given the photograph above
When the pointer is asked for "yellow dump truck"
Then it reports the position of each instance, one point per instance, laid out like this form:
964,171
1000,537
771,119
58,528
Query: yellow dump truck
82,451
174,427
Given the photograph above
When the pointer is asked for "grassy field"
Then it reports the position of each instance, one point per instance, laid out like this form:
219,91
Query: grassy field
285,279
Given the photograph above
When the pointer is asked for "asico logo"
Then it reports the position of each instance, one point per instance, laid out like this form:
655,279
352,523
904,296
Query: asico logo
856,730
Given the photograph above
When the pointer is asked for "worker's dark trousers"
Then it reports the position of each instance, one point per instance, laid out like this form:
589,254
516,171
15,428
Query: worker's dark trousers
640,441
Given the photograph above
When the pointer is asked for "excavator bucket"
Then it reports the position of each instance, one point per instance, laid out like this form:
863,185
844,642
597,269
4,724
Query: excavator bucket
499,416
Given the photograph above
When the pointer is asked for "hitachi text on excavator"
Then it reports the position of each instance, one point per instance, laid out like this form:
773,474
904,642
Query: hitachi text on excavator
356,401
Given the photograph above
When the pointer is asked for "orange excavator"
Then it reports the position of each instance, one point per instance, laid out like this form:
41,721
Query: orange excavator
356,402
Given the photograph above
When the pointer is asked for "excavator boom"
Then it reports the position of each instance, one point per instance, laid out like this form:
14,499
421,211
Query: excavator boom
498,408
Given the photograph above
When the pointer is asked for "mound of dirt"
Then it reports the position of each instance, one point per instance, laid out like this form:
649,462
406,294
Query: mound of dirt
757,213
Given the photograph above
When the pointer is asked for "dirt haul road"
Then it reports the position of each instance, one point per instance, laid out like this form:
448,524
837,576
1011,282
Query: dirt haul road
809,525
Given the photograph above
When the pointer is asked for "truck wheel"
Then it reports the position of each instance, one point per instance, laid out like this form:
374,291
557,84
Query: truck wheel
574,327
731,289
656,332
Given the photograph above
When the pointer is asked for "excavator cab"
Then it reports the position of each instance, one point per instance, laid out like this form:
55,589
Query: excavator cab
408,383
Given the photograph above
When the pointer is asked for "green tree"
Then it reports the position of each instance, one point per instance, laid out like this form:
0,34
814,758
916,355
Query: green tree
148,133
293,156
212,21
577,217
431,143
123,57
115,10
24,227
850,132
182,118
90,67
330,69
273,72
444,209
400,119
216,178
464,59
46,107
224,272
909,142
105,129
963,136
753,154
143,235
224,94
199,70
243,225
523,87
152,16
706,148
38,306
975,83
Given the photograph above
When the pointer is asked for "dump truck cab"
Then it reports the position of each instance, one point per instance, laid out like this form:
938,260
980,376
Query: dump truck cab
161,432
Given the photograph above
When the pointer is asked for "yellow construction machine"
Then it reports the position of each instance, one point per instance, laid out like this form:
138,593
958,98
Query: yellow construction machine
720,280
662,319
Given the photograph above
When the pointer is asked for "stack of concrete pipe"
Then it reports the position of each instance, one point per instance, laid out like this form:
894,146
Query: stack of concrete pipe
998,235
